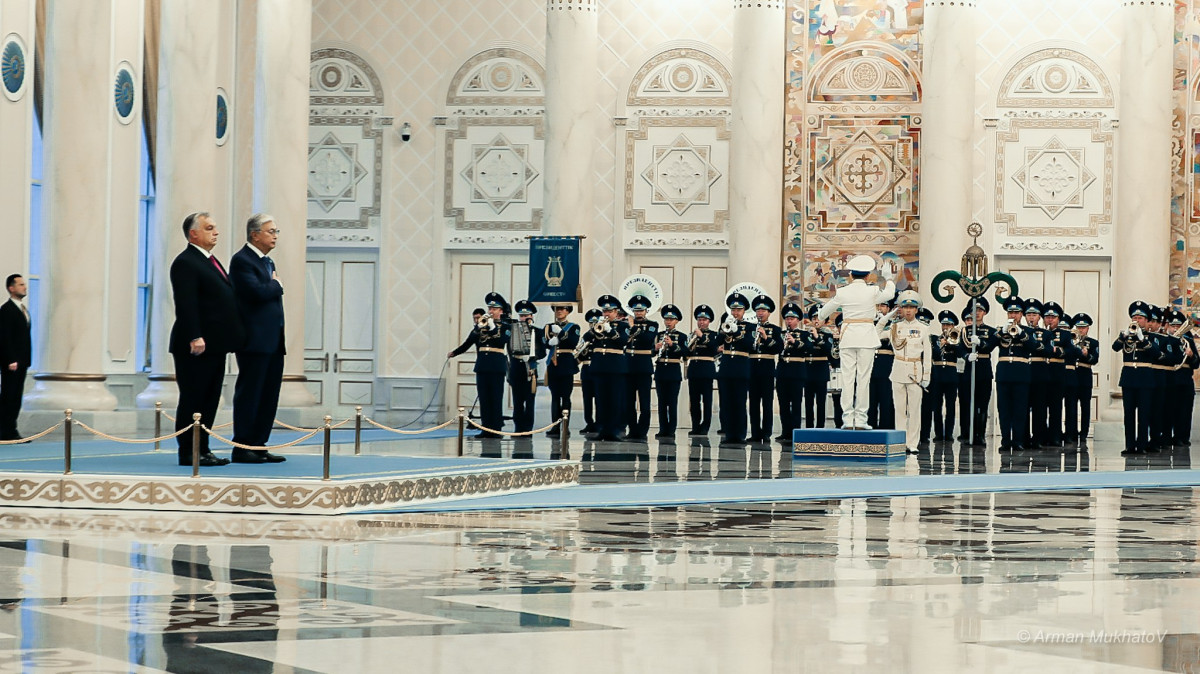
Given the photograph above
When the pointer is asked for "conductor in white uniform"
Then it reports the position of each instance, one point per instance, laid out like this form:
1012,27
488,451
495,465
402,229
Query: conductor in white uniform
857,302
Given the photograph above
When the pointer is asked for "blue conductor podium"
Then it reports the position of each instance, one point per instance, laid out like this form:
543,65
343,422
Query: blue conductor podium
833,443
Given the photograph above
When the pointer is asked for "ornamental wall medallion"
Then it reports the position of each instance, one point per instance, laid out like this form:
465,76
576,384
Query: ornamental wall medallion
864,174
333,172
493,173
1055,78
1053,177
13,66
499,173
680,174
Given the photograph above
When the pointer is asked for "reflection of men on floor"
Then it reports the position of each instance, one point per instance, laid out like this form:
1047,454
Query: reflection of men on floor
857,302
791,373
610,335
702,370
768,343
260,360
643,336
207,327
524,351
16,350
733,379
986,337
911,369
670,350
560,339
587,381
489,336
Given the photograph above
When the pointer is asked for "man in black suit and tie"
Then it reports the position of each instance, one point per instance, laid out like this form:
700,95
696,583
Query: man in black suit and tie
15,352
260,360
207,328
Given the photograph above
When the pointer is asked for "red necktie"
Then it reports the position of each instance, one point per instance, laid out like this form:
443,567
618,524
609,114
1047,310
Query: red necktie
218,266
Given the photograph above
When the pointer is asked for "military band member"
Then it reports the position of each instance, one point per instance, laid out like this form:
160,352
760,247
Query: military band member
587,383
768,343
1079,396
560,339
1170,355
489,336
524,351
1013,344
791,373
911,369
816,382
857,302
1039,375
610,335
835,372
1183,388
643,337
925,317
882,410
1070,350
1060,354
946,346
702,370
733,377
985,338
670,350
1138,353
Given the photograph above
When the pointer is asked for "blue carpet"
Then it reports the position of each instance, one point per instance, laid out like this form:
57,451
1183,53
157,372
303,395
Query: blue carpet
838,436
111,459
801,489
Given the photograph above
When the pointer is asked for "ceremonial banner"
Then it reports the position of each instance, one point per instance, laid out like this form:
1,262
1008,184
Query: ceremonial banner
554,270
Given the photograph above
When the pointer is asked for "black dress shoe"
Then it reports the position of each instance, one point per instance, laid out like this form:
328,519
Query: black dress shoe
207,459
663,435
488,435
274,458
248,456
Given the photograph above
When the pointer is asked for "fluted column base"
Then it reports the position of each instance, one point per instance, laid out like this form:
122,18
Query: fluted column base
70,391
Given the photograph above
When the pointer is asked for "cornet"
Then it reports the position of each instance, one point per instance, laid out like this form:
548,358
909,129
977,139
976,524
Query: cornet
730,325
602,326
486,323
1010,333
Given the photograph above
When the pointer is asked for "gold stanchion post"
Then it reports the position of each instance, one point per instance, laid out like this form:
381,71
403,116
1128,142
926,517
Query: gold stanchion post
357,430
196,444
67,424
563,451
325,451
157,425
462,422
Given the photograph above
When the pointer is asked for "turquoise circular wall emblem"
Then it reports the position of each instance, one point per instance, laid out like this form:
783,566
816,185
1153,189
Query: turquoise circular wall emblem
222,117
124,94
12,68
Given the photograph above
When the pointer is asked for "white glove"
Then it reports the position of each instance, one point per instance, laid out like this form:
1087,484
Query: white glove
973,340
924,383
553,341
886,271
972,357
555,329
607,328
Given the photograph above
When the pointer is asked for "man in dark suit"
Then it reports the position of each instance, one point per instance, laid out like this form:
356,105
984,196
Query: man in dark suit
260,360
207,328
15,352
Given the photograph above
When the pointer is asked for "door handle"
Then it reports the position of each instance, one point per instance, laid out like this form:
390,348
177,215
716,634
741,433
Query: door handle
325,363
335,362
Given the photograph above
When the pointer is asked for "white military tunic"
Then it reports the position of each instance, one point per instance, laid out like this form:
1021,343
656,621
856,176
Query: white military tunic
857,302
910,374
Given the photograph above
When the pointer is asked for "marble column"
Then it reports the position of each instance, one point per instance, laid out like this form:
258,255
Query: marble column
947,144
16,137
1143,226
571,128
185,165
756,144
281,164
79,120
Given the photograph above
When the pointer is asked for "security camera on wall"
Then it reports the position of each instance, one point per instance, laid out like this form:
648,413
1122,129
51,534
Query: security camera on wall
406,132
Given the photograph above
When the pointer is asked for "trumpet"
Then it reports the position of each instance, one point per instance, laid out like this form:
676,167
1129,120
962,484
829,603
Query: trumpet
1010,333
730,325
602,326
485,323
1133,330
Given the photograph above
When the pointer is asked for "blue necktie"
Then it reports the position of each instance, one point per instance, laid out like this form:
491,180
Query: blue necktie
270,264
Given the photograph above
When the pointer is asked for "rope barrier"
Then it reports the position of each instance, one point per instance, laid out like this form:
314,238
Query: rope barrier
131,441
290,427
268,448
515,435
397,431
224,425
31,438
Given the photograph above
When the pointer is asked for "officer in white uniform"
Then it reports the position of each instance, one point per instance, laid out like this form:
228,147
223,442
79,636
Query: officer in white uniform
911,368
857,302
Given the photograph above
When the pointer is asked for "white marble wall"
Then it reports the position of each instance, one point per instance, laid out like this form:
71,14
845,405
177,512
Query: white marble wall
16,137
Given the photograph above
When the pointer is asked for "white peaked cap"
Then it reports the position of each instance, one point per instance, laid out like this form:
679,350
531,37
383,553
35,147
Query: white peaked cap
861,263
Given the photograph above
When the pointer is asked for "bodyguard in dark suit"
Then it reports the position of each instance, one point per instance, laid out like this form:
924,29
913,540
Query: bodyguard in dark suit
207,328
260,360
702,370
560,339
16,349
489,336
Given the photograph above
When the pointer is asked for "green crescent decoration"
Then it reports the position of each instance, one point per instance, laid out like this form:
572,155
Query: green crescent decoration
973,277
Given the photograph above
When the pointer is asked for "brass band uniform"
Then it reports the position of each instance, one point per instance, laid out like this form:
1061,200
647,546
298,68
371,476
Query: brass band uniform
816,381
670,351
524,351
1012,376
702,370
881,412
768,343
489,336
1137,380
587,383
1182,390
643,337
610,336
560,339
1079,393
733,377
1061,356
792,372
1170,355
1039,375
981,362
925,317
946,347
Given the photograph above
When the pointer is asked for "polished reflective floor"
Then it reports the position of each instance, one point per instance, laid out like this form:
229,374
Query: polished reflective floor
1080,581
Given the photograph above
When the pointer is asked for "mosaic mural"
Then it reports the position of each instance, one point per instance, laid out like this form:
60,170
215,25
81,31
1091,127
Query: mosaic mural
853,140
1185,220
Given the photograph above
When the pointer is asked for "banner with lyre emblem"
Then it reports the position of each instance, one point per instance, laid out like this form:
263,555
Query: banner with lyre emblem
554,269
